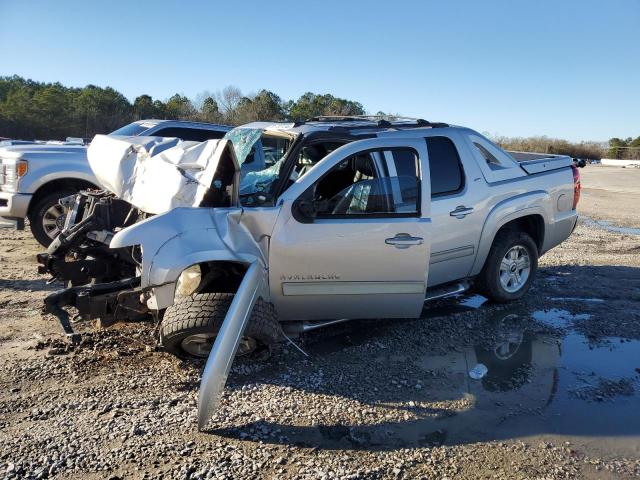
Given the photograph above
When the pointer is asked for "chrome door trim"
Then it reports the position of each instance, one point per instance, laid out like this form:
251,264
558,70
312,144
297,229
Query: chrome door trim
461,211
445,255
404,240
351,288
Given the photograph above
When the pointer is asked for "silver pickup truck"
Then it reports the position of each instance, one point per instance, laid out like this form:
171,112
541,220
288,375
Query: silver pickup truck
351,218
33,176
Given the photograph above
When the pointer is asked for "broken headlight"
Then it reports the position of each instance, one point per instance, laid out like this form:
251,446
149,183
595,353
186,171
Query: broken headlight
188,281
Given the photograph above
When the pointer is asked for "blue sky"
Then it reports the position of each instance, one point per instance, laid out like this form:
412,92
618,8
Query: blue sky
568,69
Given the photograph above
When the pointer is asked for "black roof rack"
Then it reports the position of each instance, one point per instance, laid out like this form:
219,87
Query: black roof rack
379,120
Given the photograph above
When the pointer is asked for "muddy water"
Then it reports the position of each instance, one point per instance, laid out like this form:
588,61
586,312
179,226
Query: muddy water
544,380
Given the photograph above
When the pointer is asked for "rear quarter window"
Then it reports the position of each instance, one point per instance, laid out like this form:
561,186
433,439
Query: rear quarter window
447,176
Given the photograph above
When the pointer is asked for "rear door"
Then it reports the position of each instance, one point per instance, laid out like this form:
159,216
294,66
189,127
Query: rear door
353,237
456,195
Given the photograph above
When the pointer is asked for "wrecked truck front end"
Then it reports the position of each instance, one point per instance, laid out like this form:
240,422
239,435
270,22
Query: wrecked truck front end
171,235
144,177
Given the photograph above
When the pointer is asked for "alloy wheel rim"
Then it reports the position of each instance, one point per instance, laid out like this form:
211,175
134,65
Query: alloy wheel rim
200,344
53,220
515,269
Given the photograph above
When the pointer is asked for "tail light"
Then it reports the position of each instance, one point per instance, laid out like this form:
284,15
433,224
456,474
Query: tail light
576,186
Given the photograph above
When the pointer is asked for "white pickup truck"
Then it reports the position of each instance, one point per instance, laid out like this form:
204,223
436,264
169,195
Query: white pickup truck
353,218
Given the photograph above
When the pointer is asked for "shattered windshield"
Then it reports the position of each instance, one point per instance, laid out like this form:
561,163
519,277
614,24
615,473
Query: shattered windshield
260,156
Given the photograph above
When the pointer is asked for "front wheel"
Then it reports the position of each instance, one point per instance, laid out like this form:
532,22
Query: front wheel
510,267
47,217
191,324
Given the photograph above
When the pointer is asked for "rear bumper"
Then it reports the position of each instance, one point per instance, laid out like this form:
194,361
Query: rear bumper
558,231
14,205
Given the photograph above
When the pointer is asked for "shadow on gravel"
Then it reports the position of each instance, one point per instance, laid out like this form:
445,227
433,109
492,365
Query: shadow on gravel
23,284
554,367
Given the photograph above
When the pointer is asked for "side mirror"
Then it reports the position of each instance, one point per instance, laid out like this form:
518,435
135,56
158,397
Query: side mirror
304,210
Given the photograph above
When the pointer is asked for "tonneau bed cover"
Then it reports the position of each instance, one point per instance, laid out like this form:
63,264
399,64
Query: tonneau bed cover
540,162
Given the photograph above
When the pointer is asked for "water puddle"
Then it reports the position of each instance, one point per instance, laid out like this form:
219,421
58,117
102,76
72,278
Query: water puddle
536,384
557,318
578,299
610,228
474,301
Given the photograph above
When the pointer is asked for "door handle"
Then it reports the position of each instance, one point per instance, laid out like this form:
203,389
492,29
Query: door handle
404,240
461,211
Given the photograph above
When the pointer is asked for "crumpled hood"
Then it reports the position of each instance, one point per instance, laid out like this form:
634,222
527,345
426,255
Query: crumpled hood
157,174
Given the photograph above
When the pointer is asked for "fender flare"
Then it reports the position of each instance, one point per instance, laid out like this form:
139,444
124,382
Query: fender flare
530,203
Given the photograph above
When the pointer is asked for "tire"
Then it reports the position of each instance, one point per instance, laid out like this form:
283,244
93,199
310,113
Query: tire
190,325
45,234
491,281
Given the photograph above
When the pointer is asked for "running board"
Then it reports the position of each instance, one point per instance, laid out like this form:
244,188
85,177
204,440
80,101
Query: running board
307,326
447,291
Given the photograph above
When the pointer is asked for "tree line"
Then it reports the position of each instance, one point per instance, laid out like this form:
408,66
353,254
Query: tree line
38,110
556,146
625,149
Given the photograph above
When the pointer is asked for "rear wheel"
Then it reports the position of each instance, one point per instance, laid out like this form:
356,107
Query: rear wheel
510,267
191,324
47,217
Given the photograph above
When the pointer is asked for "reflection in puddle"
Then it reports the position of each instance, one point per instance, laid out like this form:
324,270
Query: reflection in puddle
535,384
562,385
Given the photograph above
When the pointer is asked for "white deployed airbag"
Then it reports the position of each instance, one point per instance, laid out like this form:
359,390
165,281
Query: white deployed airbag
156,174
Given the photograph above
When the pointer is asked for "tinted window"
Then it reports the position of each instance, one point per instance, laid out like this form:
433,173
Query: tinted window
405,163
131,130
189,134
486,154
359,185
444,163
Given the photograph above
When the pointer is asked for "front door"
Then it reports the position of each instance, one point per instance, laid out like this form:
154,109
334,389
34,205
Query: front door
353,237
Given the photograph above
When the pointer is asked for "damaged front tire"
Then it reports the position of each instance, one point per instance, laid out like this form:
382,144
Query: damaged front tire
191,324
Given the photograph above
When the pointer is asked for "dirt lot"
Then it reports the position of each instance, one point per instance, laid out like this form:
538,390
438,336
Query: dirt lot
610,193
383,399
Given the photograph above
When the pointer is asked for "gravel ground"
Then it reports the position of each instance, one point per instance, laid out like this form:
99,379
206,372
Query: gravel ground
383,399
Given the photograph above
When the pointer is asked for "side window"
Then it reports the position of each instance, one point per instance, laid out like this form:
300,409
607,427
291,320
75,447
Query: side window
310,155
445,167
487,155
189,134
378,183
494,157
